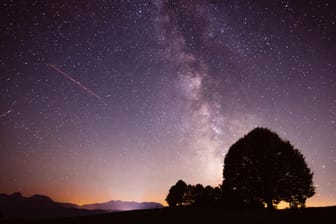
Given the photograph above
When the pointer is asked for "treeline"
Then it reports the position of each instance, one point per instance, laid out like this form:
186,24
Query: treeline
260,170
194,195
182,194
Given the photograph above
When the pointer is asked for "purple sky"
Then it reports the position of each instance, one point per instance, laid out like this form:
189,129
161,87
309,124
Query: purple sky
176,83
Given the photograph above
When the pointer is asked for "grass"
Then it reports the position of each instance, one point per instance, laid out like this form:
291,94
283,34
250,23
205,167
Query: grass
199,215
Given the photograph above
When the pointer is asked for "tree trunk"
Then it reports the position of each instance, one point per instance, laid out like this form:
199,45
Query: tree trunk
269,203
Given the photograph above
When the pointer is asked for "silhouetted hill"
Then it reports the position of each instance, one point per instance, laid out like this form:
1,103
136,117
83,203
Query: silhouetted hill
199,215
17,206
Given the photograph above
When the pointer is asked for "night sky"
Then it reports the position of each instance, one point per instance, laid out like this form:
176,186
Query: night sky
106,100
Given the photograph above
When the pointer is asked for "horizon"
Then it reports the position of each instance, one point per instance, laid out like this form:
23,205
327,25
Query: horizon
281,205
120,100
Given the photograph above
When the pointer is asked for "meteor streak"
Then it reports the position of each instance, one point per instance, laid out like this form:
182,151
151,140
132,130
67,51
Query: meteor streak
75,81
5,113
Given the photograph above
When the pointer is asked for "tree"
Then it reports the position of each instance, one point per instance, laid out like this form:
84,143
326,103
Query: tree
263,168
194,195
176,193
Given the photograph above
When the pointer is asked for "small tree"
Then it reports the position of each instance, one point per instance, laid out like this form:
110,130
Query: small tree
176,193
194,195
263,168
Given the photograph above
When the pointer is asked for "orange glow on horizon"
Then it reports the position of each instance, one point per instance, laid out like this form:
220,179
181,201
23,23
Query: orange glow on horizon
90,199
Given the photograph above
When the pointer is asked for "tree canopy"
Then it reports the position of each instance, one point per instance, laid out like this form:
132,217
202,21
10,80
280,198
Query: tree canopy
262,168
176,193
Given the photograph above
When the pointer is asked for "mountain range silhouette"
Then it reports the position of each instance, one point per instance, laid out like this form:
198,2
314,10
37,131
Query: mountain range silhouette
40,206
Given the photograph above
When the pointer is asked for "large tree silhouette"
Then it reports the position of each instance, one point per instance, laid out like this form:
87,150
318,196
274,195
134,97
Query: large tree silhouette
263,168
176,193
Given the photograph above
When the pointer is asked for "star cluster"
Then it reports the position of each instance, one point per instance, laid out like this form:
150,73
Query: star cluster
179,82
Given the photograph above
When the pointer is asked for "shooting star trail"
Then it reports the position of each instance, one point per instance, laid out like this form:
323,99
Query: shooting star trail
75,81
13,103
6,113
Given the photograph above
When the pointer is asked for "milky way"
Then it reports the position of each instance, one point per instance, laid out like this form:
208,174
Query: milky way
180,82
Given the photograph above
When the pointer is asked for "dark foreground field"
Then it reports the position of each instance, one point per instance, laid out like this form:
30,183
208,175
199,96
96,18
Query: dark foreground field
196,215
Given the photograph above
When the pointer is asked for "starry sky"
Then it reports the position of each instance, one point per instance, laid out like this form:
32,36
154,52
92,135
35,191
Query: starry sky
104,100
